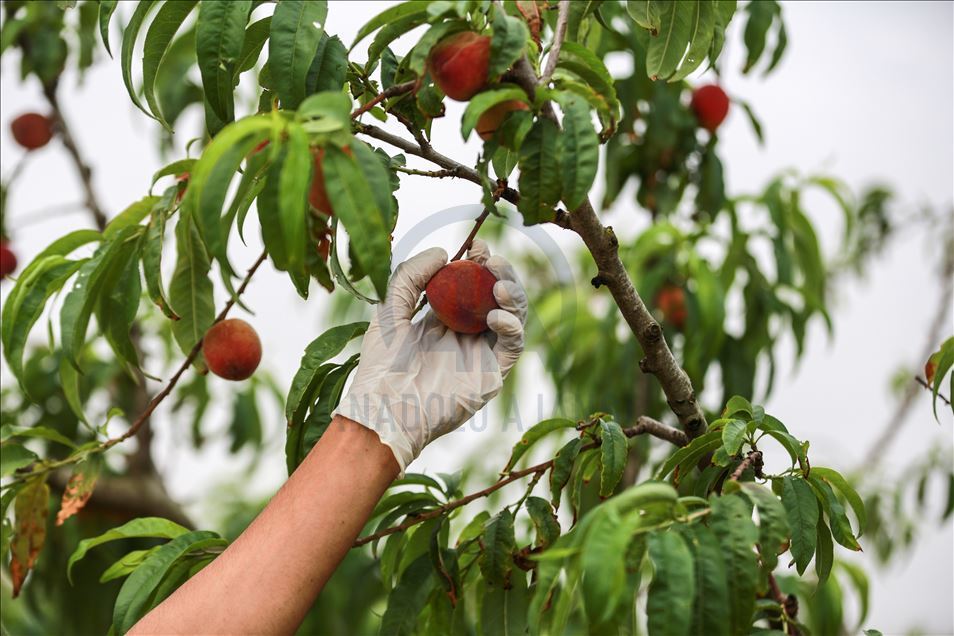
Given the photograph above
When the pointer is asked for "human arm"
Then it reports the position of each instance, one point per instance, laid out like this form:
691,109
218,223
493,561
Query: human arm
266,581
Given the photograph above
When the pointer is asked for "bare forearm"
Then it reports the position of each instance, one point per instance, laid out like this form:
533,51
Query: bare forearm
269,577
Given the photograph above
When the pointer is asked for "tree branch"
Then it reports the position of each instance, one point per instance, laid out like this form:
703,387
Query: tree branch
393,91
558,36
930,388
644,425
753,460
85,172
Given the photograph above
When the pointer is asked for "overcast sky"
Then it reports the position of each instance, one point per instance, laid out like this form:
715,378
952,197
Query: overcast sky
864,92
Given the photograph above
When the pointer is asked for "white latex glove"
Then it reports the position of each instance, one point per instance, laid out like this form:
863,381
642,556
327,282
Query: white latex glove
419,380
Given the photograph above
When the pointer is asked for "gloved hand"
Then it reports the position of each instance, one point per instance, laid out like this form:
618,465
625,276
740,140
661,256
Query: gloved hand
419,380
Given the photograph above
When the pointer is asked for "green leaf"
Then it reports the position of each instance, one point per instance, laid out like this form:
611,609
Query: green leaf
701,32
25,303
213,173
840,526
106,9
395,29
320,350
407,599
15,457
579,154
256,34
69,382
151,527
667,49
508,43
586,65
824,552
645,13
329,67
78,304
190,290
389,16
292,46
482,102
504,611
119,302
801,508
130,34
702,445
731,521
126,564
328,397
669,607
131,216
10,431
497,541
532,436
354,203
773,523
219,39
613,456
854,500
562,467
710,612
158,38
761,15
132,601
152,262
606,538
378,175
539,181
544,520
733,434
293,192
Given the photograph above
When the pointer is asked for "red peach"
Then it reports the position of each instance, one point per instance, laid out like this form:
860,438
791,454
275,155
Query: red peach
8,260
671,300
232,349
459,64
493,117
711,105
461,294
32,130
318,195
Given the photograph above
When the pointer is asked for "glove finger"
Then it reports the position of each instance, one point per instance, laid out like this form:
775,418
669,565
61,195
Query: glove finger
512,298
502,269
409,280
479,251
509,343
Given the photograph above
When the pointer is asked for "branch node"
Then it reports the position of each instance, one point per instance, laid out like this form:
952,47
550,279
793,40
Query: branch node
653,333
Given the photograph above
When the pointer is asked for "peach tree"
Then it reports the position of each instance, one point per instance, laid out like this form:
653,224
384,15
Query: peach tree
666,496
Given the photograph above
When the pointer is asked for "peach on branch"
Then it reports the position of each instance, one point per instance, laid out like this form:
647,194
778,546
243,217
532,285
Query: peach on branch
711,105
232,349
491,119
458,64
32,130
461,294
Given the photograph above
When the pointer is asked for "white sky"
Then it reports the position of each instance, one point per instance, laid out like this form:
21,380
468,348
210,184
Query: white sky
865,92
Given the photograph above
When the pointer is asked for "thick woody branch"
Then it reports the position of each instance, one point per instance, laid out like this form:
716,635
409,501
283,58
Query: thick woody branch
644,426
604,247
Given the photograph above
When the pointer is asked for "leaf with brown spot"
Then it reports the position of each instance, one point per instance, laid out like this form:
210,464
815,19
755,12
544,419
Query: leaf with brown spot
31,507
79,488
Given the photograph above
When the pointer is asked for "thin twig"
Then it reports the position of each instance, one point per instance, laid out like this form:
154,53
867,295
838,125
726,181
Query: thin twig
927,386
436,174
473,233
644,425
393,91
753,460
560,33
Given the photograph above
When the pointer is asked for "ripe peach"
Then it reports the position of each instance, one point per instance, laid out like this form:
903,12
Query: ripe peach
32,130
490,120
461,294
711,105
458,64
671,300
8,260
318,196
232,349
